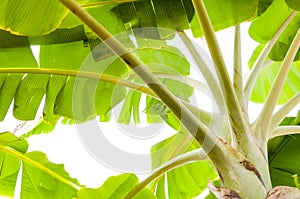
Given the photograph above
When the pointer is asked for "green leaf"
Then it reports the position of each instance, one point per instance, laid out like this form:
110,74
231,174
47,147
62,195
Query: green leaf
267,77
8,40
171,14
98,98
38,184
284,160
263,6
167,59
61,35
255,55
227,13
12,58
273,18
10,167
283,155
18,17
9,164
115,187
294,4
12,141
131,104
29,95
186,181
40,177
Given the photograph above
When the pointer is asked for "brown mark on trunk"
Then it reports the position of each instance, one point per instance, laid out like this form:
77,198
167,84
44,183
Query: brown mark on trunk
249,166
223,192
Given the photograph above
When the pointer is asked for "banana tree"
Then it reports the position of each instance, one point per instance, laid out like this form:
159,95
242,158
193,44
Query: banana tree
96,54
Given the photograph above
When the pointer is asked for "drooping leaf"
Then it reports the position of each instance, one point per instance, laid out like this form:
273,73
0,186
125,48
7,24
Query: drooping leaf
267,77
116,187
283,155
276,14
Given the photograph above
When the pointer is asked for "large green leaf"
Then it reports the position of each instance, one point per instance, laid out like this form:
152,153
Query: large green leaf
266,78
186,181
116,187
284,155
40,177
32,18
273,18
